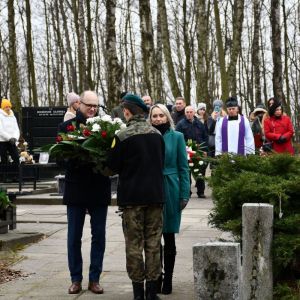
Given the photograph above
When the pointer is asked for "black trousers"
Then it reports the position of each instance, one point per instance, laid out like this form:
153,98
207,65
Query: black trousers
200,183
169,242
6,148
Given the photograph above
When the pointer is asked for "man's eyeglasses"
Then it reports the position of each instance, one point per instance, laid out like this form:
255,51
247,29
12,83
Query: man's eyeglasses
90,105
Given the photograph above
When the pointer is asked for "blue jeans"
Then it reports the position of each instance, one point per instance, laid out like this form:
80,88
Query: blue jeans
76,217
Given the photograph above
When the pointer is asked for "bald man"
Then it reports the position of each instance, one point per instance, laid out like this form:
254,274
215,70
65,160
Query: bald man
85,189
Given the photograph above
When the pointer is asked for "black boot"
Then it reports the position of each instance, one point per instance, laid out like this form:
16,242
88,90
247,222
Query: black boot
138,290
151,290
169,261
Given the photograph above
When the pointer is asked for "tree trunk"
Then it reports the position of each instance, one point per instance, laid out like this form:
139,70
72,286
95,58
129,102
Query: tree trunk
237,28
276,50
286,66
147,47
114,70
221,54
48,46
73,80
255,50
167,49
30,57
14,88
159,46
203,51
187,52
90,48
264,71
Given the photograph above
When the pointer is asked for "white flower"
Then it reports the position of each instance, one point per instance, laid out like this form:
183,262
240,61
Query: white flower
191,164
107,118
96,127
201,162
117,121
123,126
93,120
117,131
196,170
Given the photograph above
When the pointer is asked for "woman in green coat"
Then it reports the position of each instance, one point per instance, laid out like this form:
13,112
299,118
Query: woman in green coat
176,186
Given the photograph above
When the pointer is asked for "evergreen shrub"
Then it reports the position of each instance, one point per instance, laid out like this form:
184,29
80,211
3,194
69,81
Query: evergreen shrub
273,179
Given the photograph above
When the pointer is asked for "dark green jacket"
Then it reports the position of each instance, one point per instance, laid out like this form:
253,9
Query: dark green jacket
137,155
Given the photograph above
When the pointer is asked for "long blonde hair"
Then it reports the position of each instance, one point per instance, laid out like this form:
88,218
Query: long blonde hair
165,110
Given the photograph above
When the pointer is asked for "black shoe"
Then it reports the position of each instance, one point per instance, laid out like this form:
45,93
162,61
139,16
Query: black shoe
201,196
138,290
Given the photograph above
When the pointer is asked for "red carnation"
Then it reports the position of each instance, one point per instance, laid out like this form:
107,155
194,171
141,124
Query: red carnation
191,154
58,139
104,134
86,132
70,128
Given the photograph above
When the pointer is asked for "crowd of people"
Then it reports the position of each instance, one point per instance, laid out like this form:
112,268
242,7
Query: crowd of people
154,184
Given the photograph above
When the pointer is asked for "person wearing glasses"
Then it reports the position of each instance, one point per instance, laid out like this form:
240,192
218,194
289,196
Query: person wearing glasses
85,189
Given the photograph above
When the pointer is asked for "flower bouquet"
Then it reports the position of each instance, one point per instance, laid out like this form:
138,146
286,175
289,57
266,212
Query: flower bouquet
196,158
89,143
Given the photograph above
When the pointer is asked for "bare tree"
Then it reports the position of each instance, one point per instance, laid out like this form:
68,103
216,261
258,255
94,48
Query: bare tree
114,70
14,88
203,50
255,50
167,48
276,50
70,51
286,57
147,47
228,77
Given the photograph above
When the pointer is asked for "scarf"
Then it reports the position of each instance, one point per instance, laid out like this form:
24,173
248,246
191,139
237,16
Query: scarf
162,127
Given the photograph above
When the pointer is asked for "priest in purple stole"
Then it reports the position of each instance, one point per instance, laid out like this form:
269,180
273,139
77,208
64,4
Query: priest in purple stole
233,132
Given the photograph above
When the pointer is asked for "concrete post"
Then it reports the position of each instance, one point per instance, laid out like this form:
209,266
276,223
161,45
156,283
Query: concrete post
217,268
257,279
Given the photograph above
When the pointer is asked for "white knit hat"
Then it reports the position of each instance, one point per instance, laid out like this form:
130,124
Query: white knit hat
72,98
201,105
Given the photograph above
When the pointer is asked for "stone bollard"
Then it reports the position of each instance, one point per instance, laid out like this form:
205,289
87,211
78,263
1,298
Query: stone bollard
257,279
217,268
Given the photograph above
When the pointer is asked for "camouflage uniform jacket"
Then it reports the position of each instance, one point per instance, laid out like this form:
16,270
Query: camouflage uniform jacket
137,155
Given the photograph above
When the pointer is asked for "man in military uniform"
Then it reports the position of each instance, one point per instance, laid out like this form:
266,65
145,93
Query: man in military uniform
137,155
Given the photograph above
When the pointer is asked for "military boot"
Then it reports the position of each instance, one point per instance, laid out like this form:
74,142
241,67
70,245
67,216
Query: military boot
138,290
151,290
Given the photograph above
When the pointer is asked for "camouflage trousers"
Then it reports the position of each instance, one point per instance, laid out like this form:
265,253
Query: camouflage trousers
142,227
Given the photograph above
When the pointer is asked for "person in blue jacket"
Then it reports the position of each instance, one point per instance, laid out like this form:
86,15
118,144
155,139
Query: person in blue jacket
176,187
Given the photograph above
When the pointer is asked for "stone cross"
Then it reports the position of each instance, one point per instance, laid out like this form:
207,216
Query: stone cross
217,271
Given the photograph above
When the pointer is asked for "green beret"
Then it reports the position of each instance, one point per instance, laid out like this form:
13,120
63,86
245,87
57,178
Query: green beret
136,100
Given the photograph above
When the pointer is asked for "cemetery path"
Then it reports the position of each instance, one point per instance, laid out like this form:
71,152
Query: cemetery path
45,262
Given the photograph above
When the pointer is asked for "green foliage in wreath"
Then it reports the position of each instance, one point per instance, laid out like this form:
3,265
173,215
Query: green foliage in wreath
273,179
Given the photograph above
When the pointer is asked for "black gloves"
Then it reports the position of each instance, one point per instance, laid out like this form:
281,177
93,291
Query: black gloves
12,141
281,140
183,203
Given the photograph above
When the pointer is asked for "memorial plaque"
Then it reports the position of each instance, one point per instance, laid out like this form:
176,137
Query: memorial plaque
39,125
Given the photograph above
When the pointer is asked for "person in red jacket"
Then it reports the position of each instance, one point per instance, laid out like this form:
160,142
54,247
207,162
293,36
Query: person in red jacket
279,129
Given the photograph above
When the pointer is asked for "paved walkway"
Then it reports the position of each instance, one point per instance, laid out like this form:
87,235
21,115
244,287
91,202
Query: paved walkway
45,262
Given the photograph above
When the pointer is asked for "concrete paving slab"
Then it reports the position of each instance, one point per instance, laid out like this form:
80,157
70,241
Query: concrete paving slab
46,262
